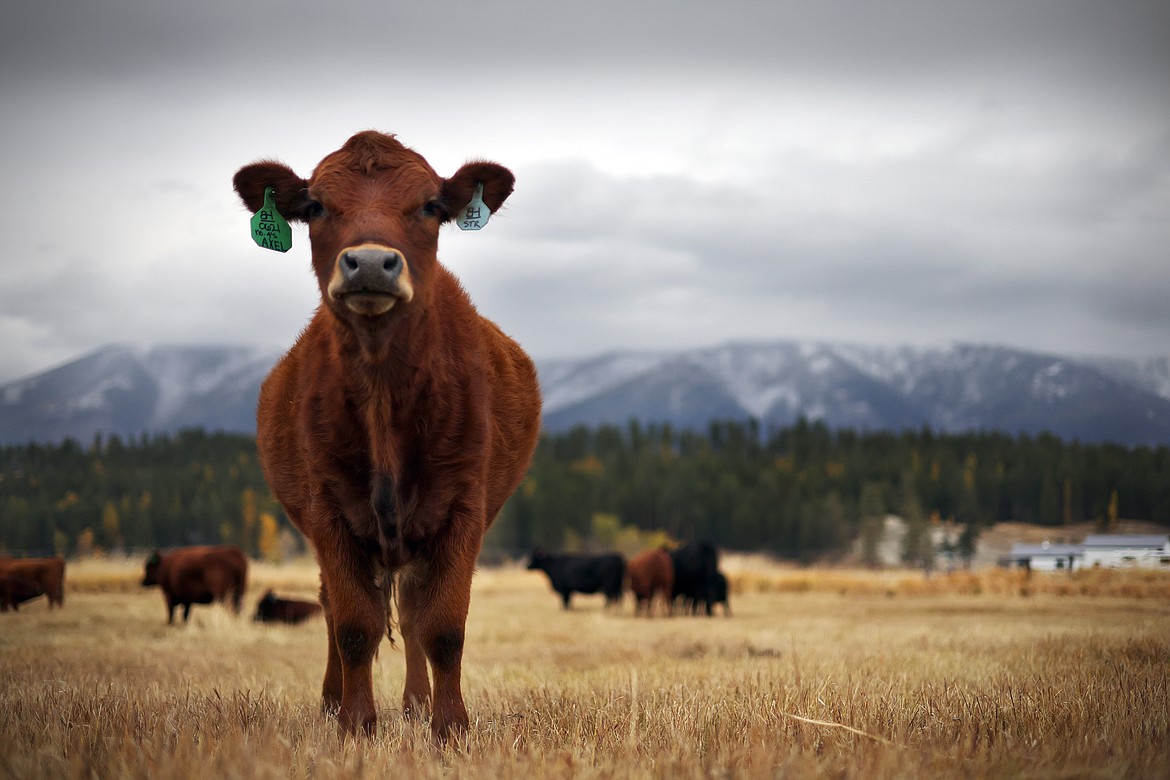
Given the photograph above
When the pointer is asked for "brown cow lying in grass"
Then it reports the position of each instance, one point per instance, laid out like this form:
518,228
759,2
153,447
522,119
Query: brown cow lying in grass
198,575
401,420
271,609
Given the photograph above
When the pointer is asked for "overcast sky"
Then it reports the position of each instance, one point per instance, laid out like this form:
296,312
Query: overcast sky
688,173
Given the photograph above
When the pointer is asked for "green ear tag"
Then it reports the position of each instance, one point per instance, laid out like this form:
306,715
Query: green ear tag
269,229
475,214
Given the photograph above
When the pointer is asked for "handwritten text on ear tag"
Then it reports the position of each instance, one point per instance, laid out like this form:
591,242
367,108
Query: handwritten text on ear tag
269,229
475,214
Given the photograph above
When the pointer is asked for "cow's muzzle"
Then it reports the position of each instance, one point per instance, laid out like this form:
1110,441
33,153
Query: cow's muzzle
370,279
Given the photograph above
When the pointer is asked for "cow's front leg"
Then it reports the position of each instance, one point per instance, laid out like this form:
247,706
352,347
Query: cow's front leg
356,622
442,597
416,693
331,686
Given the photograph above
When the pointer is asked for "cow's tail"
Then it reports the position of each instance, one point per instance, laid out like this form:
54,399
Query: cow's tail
390,598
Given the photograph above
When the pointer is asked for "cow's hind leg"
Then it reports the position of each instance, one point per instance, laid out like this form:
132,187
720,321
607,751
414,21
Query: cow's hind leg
219,585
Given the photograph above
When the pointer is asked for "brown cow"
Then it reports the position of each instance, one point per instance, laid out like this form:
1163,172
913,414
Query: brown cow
198,575
271,609
15,590
48,574
401,420
651,574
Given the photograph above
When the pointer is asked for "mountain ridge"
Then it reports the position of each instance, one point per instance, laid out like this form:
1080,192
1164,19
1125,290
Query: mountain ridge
126,390
955,388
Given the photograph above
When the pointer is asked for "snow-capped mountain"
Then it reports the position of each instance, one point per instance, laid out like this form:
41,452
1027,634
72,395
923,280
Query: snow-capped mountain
129,391
955,388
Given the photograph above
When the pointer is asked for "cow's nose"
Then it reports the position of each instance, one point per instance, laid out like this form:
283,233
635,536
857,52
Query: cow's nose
370,265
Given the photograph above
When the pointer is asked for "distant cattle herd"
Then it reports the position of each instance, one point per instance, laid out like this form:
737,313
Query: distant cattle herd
663,580
678,580
186,576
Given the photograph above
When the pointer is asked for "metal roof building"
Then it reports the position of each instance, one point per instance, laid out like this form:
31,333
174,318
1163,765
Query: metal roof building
1112,551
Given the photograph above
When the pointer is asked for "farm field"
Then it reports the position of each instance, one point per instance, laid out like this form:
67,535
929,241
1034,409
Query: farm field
816,673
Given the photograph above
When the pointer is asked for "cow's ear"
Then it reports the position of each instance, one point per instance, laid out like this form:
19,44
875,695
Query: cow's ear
497,184
289,190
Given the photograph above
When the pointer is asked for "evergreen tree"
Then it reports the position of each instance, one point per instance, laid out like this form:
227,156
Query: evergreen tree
916,546
873,521
803,492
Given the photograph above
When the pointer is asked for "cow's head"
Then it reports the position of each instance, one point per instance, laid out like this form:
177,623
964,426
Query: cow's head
150,577
264,605
539,559
374,208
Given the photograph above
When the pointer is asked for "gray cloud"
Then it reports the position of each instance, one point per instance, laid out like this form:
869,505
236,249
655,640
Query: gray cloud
689,172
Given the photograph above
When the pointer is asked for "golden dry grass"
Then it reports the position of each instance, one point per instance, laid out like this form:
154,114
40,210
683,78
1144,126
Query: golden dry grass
816,680
756,574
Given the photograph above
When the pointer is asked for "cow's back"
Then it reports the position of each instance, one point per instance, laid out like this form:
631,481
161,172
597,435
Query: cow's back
596,573
202,574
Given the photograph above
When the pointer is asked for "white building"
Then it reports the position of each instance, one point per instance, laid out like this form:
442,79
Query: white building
1110,551
1048,557
1116,551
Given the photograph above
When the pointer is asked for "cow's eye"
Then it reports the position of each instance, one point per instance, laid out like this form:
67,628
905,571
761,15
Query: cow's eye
436,209
314,209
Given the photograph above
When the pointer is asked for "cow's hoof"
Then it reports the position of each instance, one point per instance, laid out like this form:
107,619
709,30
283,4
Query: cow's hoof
445,730
357,723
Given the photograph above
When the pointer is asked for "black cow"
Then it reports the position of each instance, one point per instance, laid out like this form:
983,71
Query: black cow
571,574
718,596
695,570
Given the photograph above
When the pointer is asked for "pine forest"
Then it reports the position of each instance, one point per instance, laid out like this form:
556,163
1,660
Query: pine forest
803,492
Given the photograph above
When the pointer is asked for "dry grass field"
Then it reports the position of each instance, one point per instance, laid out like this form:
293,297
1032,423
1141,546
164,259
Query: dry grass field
817,674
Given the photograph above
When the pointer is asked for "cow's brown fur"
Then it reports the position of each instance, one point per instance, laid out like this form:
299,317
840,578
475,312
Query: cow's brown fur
198,575
396,427
15,590
46,573
651,575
